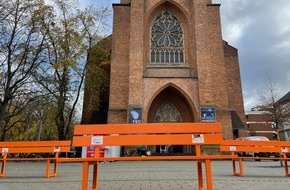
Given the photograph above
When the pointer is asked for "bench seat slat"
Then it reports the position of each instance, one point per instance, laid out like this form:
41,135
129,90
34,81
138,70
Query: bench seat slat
125,140
147,128
189,157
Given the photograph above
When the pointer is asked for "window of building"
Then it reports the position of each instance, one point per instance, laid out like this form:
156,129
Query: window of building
167,112
167,40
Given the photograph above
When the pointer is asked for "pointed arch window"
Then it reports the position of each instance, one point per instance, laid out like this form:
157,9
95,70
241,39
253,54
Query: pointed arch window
167,40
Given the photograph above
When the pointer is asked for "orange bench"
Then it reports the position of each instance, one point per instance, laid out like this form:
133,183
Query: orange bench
236,147
194,134
33,147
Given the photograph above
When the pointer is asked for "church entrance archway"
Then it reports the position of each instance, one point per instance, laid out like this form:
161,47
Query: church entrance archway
170,105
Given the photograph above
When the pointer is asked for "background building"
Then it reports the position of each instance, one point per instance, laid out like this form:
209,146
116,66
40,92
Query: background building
284,102
261,120
285,105
259,124
170,64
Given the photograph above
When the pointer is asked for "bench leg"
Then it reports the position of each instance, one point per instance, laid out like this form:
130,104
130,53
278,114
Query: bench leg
3,165
241,173
47,172
234,167
286,168
199,173
47,169
208,175
95,176
85,176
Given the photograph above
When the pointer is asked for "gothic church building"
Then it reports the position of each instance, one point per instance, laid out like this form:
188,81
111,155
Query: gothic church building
169,63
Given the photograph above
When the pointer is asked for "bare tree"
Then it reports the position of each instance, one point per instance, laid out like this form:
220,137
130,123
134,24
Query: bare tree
22,40
71,34
43,56
268,100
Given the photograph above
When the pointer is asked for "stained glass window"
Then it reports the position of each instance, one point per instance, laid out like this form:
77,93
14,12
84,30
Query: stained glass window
167,112
167,39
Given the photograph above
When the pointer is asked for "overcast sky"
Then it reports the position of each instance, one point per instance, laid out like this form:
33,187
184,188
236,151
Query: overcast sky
260,30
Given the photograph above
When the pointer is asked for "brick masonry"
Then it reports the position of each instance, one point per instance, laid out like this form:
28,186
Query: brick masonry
211,76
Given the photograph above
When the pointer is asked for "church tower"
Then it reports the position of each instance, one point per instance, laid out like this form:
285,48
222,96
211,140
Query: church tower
169,65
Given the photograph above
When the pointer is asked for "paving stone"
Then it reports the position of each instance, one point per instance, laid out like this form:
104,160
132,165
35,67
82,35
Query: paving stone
145,175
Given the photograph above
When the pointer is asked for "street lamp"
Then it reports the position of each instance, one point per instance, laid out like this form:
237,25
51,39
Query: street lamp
2,92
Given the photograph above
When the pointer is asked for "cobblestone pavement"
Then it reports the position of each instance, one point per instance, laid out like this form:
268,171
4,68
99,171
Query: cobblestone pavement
146,175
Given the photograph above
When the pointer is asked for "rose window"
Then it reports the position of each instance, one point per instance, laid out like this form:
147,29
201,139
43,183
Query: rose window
167,39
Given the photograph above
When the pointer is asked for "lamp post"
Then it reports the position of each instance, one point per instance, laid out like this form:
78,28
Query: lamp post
2,92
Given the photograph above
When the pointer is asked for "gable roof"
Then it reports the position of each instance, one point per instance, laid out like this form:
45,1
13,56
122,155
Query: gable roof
284,99
237,123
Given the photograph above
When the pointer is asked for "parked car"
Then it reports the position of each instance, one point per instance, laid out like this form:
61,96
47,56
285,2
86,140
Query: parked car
257,154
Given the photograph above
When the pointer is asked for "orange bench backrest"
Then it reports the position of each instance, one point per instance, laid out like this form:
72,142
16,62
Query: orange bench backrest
255,146
147,134
35,146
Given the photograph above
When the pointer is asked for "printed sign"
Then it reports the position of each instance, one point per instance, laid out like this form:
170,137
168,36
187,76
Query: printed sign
56,149
135,115
97,140
284,149
197,139
233,148
5,150
90,152
207,114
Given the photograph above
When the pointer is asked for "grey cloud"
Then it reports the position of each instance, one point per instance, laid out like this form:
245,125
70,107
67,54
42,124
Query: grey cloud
263,43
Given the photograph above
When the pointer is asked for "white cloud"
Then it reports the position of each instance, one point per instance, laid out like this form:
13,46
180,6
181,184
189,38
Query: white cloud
285,45
280,17
260,30
249,102
234,31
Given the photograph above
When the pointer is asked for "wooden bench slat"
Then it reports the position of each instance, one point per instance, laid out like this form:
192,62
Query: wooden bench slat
250,149
32,147
255,148
255,143
34,143
37,149
133,158
126,140
195,134
147,128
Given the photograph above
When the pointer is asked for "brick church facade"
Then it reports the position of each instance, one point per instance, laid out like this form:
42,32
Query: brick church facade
169,63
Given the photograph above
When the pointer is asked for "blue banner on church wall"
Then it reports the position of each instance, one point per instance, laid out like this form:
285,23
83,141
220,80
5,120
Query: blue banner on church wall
135,115
207,114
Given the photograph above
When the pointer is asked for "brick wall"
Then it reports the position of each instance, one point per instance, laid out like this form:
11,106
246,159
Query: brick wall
203,80
119,81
